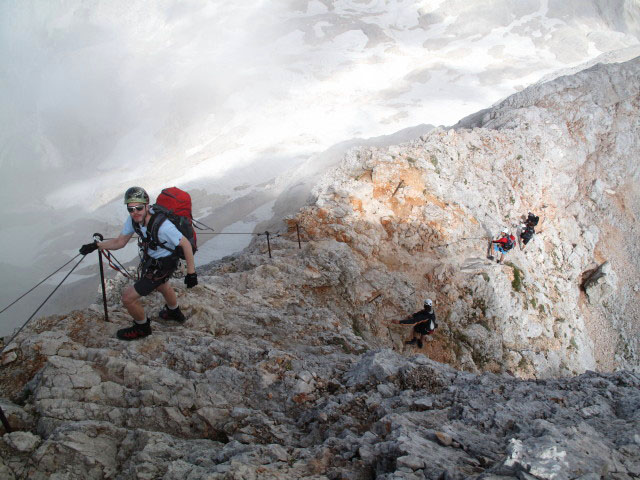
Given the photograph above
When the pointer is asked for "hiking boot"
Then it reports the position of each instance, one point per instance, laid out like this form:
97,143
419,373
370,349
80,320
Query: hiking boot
419,343
167,314
413,341
138,330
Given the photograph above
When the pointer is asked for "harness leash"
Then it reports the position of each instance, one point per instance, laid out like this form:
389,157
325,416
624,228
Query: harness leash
115,264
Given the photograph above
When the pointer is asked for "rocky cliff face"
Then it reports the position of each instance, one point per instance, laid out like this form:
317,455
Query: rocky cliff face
286,369
424,211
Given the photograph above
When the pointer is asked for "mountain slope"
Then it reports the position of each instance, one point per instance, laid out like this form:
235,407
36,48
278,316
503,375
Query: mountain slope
566,150
286,369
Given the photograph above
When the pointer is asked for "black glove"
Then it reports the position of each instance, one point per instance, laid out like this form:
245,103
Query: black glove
191,280
89,247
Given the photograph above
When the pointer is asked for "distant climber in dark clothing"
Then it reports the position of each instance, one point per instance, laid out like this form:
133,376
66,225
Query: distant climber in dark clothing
424,323
526,234
528,230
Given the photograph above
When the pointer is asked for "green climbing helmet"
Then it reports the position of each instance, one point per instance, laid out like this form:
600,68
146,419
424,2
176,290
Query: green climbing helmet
136,195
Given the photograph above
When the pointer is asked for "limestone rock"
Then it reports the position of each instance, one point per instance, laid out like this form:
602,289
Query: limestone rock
23,442
18,417
444,439
601,284
375,367
8,357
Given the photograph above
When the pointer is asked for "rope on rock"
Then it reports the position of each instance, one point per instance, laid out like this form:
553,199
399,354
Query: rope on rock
457,241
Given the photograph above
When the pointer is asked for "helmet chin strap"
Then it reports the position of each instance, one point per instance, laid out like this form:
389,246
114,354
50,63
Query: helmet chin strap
145,220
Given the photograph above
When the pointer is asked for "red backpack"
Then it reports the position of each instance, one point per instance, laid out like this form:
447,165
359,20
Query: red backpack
174,205
508,245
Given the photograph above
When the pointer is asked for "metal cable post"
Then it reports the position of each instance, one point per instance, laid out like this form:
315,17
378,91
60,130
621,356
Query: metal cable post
268,243
99,237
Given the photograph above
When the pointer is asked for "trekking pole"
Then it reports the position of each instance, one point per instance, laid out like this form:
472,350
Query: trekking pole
99,237
5,422
298,230
268,243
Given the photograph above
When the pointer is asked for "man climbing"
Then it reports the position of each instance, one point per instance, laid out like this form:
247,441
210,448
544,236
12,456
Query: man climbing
528,230
424,323
158,263
503,244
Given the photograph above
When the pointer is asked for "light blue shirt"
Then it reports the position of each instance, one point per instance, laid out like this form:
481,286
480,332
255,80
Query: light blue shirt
168,234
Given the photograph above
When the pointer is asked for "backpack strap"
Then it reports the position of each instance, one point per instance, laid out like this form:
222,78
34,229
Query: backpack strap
143,241
151,240
153,227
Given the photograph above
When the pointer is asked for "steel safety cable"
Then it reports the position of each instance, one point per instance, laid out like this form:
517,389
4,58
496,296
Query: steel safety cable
40,283
42,304
201,226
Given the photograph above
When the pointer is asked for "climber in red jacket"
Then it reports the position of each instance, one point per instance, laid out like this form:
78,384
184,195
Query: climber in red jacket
503,244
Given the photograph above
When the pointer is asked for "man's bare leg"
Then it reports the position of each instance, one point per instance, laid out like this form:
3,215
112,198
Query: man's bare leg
131,301
169,295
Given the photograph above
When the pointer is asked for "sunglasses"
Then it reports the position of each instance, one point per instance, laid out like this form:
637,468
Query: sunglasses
137,208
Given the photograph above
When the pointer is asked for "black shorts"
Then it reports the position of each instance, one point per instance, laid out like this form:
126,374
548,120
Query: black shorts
422,328
527,234
526,237
154,273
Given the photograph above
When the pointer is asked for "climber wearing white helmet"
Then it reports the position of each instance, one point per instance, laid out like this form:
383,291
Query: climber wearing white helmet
424,323
503,244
